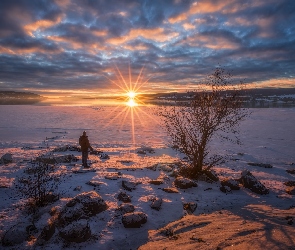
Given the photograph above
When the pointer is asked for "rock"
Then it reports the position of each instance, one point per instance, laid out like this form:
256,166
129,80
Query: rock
134,220
122,196
96,152
15,235
290,171
290,190
153,167
78,188
126,208
82,206
95,183
57,159
104,156
46,233
148,149
290,183
112,176
129,185
170,190
263,165
83,170
141,152
190,207
67,148
211,175
157,181
156,203
166,168
205,178
6,158
78,231
225,189
184,183
233,184
250,182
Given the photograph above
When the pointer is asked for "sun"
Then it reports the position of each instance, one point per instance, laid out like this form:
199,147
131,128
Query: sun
131,103
131,94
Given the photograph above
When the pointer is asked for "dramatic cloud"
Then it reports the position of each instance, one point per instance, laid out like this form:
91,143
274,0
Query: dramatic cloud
55,46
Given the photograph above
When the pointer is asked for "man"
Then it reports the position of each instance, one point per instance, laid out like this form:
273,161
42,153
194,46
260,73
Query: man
84,143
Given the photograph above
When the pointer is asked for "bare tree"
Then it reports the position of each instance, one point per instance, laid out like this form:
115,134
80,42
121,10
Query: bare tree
192,124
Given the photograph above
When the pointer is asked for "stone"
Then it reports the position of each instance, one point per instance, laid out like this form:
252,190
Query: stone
290,190
290,171
233,184
141,152
78,188
104,156
84,205
57,159
46,233
129,185
205,178
190,207
211,175
184,183
170,190
126,208
290,183
157,181
134,220
249,181
122,196
166,168
153,167
15,235
95,183
6,158
78,231
225,189
112,176
156,203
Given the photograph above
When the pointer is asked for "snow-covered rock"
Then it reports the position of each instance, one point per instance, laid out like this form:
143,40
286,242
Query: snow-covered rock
46,233
190,207
129,185
170,190
249,181
6,158
122,196
134,220
82,206
126,208
78,231
233,184
156,181
184,183
156,203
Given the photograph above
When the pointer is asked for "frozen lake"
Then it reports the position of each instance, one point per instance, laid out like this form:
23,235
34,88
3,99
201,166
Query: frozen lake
267,133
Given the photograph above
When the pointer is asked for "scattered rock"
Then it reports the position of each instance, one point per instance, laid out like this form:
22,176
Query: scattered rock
184,183
233,184
153,167
6,158
170,190
78,231
129,185
225,189
122,196
78,188
57,159
15,235
290,190
126,208
157,181
249,181
82,206
211,175
104,156
156,203
67,148
290,183
263,165
95,183
134,220
190,207
290,171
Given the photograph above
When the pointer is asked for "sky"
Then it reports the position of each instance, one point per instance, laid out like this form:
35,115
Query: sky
78,47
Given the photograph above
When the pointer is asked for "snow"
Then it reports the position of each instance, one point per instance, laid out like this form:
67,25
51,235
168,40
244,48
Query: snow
267,137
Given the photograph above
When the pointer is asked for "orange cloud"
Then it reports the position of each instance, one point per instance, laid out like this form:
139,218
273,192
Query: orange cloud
188,26
156,34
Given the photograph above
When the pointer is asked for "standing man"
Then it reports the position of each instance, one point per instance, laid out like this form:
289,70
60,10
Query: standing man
84,143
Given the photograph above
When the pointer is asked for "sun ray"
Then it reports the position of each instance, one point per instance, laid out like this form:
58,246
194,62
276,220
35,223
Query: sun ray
122,77
130,84
138,78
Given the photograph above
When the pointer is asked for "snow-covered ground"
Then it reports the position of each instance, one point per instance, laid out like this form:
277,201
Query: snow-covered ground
268,136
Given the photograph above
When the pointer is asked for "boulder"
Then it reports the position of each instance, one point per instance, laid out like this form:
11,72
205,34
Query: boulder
190,207
156,203
83,205
290,190
122,196
46,233
170,190
129,185
233,184
78,231
6,158
134,220
15,235
126,208
184,183
249,181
